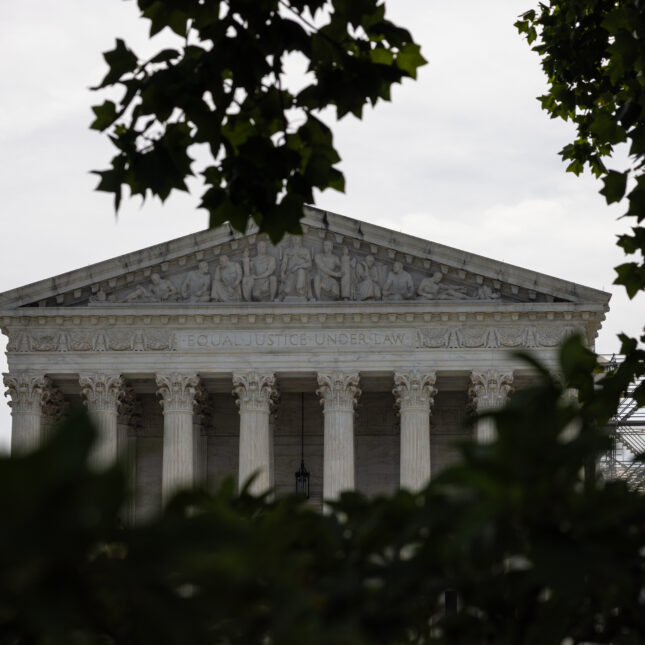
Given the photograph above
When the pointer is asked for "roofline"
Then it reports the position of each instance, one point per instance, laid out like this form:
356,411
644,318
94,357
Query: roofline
315,218
488,267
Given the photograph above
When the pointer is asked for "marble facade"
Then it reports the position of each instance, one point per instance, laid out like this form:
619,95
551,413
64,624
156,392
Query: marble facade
193,356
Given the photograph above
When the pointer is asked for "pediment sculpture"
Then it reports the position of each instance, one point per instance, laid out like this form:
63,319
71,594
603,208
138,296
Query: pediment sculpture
303,270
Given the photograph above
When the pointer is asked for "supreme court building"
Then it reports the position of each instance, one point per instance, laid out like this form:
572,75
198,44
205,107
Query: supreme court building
207,356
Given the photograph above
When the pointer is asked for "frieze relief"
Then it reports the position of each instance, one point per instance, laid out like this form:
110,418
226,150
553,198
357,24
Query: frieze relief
155,340
495,337
92,341
307,269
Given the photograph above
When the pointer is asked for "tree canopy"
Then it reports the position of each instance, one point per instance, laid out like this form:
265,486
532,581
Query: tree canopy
226,86
593,55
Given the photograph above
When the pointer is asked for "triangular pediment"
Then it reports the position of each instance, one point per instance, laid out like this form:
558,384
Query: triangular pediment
338,259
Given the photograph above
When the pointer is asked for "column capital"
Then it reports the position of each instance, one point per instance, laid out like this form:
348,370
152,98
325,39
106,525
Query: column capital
179,392
102,391
255,390
490,388
27,391
338,390
414,389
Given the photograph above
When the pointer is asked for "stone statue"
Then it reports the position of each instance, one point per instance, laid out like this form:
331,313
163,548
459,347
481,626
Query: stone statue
197,284
100,296
432,289
227,280
487,293
346,283
398,285
295,271
160,290
259,281
328,275
367,287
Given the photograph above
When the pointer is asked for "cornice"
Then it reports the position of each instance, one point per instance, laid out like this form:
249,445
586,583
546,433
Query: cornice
477,264
272,311
121,272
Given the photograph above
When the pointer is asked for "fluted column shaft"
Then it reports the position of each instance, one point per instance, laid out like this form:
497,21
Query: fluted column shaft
128,420
255,395
338,392
488,390
414,394
178,394
53,408
28,392
102,394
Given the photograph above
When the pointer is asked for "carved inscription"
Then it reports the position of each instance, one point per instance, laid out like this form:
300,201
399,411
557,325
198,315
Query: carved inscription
286,340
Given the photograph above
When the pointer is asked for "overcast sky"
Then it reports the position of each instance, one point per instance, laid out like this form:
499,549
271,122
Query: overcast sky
464,156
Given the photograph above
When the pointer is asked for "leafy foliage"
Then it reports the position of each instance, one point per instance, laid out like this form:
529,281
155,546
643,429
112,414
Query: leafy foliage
224,86
538,551
593,53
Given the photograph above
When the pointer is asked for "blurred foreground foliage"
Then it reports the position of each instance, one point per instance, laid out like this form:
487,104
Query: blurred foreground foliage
538,548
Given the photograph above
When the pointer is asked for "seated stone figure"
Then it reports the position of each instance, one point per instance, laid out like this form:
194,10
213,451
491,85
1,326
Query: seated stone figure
487,293
259,281
431,289
328,275
197,284
160,290
295,271
367,287
226,282
398,285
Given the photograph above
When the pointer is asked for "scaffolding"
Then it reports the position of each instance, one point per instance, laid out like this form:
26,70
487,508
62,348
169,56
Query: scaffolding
627,429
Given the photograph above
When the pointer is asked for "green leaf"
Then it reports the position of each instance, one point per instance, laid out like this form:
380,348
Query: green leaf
237,131
615,185
121,61
105,115
606,129
637,135
165,56
632,277
633,243
409,59
381,56
636,199
577,361
336,180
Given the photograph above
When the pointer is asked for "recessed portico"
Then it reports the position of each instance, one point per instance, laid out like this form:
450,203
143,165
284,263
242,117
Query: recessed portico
195,367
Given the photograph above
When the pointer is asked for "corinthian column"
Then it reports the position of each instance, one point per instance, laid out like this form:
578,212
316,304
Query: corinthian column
338,393
54,406
28,392
179,393
102,394
129,420
414,394
255,395
488,390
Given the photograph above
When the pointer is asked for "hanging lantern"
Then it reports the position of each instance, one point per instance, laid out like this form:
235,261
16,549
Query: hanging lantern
302,475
